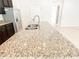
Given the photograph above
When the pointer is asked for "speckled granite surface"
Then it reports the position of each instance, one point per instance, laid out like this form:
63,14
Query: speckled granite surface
45,42
4,23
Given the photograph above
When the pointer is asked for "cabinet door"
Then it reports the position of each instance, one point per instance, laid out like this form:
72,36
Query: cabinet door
1,3
0,35
7,3
3,33
2,11
10,29
1,38
10,3
1,41
6,31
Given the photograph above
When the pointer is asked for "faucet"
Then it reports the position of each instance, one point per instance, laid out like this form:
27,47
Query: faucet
34,19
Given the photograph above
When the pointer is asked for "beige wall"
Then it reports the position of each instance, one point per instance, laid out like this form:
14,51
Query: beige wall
70,15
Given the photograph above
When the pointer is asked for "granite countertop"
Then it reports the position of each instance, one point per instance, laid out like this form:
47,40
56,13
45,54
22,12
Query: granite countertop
3,23
46,42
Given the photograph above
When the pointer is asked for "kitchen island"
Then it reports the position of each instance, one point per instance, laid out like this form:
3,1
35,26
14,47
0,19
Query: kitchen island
45,42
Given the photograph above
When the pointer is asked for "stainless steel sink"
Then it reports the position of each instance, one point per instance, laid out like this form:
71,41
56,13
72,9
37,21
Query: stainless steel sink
32,27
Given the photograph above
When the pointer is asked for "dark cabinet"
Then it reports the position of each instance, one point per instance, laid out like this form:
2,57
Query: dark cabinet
3,33
1,38
2,11
10,29
3,4
1,41
6,31
7,3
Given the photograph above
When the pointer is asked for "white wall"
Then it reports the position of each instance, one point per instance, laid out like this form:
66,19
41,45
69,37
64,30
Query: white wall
70,15
46,9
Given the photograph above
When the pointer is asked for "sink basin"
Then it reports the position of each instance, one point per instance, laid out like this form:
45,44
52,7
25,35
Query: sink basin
32,27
